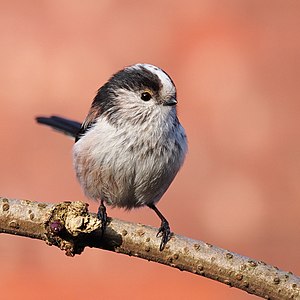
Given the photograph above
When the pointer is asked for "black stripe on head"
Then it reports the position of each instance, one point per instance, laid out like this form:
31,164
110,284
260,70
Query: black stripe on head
132,79
136,78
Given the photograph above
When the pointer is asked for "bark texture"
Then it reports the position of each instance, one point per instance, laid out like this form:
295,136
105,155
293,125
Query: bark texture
69,226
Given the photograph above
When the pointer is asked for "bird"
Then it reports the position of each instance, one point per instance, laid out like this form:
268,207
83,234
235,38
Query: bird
131,144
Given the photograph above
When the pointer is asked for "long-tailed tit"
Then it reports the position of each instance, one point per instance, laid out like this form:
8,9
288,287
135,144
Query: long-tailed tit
131,144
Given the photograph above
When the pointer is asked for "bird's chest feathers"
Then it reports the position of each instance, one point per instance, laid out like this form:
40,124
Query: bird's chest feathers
114,146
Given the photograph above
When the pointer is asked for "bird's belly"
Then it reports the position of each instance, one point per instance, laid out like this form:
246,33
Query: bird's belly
128,180
125,169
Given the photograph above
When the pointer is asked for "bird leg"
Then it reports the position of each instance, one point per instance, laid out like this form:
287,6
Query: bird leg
102,216
164,229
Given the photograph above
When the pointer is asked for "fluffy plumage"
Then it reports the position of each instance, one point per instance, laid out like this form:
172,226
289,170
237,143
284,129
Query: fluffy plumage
131,144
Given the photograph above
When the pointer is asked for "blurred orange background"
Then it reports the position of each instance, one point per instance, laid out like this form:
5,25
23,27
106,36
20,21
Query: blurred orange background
236,65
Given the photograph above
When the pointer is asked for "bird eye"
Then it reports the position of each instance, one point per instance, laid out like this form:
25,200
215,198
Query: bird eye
146,96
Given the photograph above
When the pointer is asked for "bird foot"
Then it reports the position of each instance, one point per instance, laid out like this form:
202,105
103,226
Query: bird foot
165,233
102,216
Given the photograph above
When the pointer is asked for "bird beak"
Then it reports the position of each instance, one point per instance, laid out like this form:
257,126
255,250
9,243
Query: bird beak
171,101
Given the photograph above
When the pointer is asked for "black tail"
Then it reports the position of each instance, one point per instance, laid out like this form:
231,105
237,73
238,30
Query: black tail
68,127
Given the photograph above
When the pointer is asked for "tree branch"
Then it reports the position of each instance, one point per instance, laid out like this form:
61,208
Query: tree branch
69,226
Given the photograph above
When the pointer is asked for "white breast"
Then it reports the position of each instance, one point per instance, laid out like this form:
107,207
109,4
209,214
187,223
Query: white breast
129,166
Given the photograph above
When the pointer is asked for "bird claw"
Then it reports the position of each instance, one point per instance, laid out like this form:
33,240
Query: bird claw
102,216
165,233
